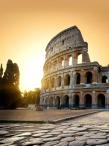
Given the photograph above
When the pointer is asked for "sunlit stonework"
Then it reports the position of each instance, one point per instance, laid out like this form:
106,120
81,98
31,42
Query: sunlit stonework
70,79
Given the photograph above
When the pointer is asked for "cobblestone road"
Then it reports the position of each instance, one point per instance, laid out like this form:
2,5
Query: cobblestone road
92,130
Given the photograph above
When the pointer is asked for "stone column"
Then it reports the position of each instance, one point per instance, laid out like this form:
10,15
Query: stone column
74,58
82,77
70,100
95,75
73,99
94,100
107,100
81,103
66,61
73,79
62,81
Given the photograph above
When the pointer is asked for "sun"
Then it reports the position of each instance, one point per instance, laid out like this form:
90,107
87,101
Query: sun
32,73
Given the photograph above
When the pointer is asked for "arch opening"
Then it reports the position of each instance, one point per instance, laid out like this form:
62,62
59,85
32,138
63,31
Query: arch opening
76,101
67,80
88,101
79,59
88,77
78,78
70,60
104,79
66,101
101,101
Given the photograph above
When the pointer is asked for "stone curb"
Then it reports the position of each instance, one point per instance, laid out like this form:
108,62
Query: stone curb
51,122
72,117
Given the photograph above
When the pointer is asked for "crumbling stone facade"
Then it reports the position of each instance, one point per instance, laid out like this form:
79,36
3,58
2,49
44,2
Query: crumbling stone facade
71,82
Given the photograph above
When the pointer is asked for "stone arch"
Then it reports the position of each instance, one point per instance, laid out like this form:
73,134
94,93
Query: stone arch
70,60
89,77
79,59
104,79
57,102
88,101
66,101
76,101
101,101
78,78
67,80
59,81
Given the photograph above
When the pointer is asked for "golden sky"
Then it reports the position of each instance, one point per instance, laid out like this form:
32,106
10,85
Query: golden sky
26,26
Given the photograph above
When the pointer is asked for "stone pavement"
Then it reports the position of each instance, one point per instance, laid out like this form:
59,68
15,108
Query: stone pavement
37,116
92,130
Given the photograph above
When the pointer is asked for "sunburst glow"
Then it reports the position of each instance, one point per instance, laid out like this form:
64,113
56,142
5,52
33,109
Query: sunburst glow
32,73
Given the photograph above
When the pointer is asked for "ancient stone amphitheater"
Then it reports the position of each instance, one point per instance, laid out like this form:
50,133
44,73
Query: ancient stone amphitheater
70,79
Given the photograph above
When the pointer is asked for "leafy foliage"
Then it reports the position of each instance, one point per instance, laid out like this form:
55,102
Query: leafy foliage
10,96
32,97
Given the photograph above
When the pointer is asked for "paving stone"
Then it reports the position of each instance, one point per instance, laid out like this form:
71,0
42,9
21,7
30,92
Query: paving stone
64,135
40,131
96,141
77,143
47,136
38,134
51,139
103,144
68,139
3,132
52,143
12,139
34,141
24,134
65,143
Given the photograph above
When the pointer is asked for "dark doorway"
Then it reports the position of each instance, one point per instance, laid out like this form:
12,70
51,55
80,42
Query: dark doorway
104,79
78,78
88,101
101,101
57,102
88,78
66,101
76,101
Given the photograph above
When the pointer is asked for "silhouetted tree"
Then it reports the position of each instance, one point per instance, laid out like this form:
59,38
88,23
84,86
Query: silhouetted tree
31,97
10,96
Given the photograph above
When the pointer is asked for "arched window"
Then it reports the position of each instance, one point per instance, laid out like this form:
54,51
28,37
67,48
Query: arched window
67,80
80,59
104,79
78,78
59,81
70,60
88,78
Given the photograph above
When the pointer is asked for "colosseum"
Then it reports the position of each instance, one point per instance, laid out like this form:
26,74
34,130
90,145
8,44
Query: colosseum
70,79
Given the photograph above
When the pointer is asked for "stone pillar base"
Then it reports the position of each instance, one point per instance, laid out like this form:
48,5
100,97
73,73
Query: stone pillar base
94,106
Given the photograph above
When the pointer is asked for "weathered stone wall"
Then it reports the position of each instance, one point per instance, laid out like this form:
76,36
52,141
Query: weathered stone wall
68,82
